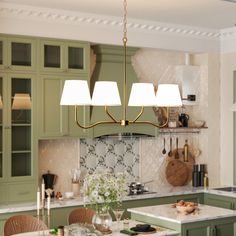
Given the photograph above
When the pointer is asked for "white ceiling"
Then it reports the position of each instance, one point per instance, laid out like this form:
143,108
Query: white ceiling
215,14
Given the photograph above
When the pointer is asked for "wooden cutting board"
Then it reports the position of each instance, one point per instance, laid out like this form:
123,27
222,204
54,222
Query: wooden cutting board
178,177
177,172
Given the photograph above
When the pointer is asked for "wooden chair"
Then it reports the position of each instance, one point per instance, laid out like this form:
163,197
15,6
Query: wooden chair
23,223
81,215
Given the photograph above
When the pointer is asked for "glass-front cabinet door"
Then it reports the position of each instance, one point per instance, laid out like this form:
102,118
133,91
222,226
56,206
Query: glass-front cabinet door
17,54
3,53
77,57
52,53
21,54
21,127
60,56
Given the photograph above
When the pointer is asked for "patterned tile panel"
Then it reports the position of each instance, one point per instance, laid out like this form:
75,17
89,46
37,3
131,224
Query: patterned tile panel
110,154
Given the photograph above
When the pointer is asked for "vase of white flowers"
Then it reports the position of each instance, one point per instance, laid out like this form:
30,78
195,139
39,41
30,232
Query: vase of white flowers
104,191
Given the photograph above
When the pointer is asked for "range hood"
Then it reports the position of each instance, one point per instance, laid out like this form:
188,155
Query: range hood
121,136
109,67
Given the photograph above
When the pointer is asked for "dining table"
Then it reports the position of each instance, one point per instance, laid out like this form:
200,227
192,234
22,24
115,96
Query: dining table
116,227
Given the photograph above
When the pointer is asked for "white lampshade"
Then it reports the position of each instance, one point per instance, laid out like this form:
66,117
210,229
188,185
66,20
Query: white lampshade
168,95
21,101
75,92
142,94
106,93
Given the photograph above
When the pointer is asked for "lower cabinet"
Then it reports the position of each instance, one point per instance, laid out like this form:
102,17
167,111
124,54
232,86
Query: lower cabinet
220,201
221,227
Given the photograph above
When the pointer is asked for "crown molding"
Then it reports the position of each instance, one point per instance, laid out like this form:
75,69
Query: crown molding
18,10
91,26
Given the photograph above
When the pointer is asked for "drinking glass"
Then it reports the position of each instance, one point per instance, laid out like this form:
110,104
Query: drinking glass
118,212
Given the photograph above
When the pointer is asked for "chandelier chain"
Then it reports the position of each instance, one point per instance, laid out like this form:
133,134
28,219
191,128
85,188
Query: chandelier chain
125,21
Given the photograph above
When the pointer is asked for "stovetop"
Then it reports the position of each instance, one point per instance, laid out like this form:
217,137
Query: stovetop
141,193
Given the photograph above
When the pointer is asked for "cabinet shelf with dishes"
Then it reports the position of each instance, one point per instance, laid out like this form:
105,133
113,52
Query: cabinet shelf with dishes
181,130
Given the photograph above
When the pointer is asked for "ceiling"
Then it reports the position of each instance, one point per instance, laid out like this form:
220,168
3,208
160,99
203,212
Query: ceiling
213,14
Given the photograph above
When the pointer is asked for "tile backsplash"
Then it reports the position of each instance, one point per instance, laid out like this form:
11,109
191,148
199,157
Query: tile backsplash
113,154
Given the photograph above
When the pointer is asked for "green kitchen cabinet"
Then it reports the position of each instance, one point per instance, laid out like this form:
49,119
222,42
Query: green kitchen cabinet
56,120
18,147
218,227
110,67
17,53
64,56
220,201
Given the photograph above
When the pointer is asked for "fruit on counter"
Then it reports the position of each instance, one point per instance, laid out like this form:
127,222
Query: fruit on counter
185,207
184,203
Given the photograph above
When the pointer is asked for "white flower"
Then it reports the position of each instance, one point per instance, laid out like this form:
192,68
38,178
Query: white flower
94,193
107,194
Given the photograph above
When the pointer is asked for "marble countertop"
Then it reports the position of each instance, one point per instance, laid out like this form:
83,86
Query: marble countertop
168,213
29,206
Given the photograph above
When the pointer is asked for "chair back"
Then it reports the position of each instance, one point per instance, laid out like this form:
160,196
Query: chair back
81,215
23,223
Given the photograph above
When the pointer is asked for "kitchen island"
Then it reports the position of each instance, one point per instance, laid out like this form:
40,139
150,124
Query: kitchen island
206,221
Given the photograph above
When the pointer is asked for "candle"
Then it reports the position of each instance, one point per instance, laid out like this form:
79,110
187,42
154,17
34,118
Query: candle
43,192
38,201
48,204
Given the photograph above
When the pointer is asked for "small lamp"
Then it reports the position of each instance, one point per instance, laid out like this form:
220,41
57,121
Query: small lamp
21,101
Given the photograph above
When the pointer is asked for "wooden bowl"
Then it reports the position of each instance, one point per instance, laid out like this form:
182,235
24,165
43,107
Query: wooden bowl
186,209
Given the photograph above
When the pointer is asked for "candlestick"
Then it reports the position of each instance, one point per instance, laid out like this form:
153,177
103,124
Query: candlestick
48,204
43,192
38,201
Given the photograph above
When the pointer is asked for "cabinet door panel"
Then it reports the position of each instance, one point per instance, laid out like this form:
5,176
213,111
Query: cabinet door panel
54,117
21,130
77,57
22,54
218,201
3,53
203,231
224,229
21,192
52,56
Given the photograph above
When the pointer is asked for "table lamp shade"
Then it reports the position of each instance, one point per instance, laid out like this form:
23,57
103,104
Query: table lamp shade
21,101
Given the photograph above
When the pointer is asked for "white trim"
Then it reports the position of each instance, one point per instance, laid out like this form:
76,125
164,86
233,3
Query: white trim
46,22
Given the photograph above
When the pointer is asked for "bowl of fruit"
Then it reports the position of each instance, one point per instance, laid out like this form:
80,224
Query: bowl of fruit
185,207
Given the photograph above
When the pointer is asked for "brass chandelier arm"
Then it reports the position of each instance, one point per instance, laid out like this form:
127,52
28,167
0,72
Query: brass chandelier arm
110,115
140,113
92,125
151,123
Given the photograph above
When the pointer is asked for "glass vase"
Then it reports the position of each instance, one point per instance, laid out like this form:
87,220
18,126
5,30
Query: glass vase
102,222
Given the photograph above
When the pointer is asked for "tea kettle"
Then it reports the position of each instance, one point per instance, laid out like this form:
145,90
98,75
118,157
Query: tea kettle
183,119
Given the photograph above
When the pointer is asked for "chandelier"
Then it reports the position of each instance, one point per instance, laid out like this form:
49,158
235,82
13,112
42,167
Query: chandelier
76,93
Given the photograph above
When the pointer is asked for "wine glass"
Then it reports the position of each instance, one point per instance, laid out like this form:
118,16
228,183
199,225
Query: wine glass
118,212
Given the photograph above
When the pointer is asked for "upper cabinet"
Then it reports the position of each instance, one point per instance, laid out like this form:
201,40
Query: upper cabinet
60,61
64,56
17,54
